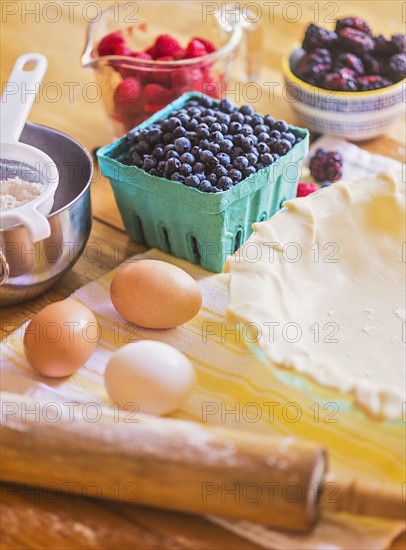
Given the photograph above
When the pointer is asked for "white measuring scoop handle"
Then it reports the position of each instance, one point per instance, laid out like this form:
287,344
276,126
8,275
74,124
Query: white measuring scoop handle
20,93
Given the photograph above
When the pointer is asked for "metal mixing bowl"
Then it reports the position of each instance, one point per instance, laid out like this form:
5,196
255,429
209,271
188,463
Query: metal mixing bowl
28,269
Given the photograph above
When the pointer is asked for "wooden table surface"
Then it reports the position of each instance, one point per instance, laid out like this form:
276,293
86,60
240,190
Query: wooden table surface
28,518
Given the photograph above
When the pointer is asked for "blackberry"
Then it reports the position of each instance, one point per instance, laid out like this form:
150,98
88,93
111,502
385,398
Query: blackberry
372,65
349,61
316,37
353,41
399,43
396,69
354,23
372,82
326,165
341,81
383,47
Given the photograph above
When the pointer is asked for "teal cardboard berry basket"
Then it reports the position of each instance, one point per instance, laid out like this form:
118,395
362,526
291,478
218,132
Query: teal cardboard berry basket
203,228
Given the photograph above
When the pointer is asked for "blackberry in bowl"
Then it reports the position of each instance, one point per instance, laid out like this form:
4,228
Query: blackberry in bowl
347,82
197,195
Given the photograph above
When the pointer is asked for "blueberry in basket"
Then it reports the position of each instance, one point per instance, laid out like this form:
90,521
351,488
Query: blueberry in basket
209,146
351,58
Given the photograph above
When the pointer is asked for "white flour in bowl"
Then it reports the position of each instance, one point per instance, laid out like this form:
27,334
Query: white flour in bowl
16,192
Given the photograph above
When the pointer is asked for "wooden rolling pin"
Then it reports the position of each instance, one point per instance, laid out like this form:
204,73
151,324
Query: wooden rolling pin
162,462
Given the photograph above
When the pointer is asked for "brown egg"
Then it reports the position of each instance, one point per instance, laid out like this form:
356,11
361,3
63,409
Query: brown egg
60,338
154,294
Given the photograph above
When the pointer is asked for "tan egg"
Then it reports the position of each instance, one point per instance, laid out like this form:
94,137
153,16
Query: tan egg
154,294
60,338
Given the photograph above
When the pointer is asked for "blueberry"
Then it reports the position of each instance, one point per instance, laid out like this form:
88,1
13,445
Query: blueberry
191,124
212,161
179,131
260,128
240,163
161,166
266,159
216,136
184,118
224,159
247,130
187,158
154,172
259,166
220,171
236,152
149,163
212,178
205,155
154,136
204,143
248,171
185,169
143,147
269,120
225,182
202,131
289,136
215,127
216,190
247,144
193,111
247,110
209,120
282,147
223,118
195,150
281,126
158,152
226,145
198,167
263,148
201,176
226,106
177,177
205,186
172,123
172,165
238,139
275,134
252,158
235,127
192,137
192,181
237,117
136,159
235,175
182,145
257,119
169,147
168,138
214,148
224,128
172,155
264,137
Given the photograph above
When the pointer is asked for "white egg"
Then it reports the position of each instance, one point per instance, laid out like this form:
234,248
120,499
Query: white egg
153,376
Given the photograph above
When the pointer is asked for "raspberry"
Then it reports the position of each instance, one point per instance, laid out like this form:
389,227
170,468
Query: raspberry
316,37
210,47
156,97
141,55
326,165
349,61
166,45
353,41
396,69
195,48
304,189
111,44
128,92
372,82
355,23
341,81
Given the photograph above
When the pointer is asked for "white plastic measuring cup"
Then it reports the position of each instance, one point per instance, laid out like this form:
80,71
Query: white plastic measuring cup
22,160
